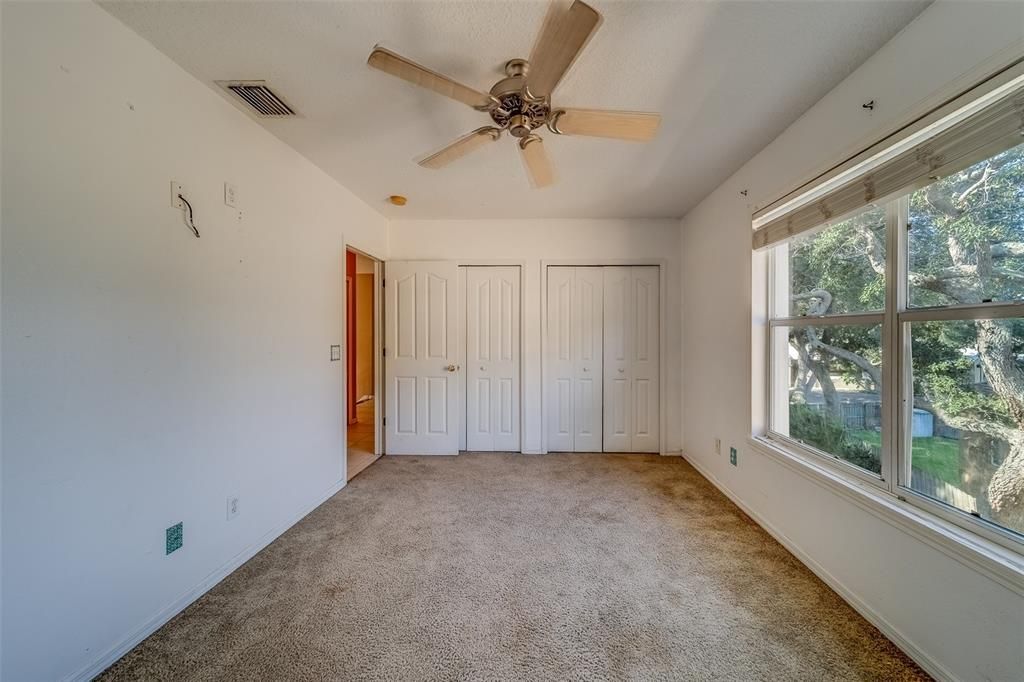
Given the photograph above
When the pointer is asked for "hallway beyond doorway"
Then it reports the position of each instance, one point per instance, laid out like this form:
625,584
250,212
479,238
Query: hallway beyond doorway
360,439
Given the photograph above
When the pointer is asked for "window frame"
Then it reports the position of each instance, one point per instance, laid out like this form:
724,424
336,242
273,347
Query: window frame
896,391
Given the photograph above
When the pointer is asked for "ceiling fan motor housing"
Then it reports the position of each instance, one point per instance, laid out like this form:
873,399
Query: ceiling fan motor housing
515,110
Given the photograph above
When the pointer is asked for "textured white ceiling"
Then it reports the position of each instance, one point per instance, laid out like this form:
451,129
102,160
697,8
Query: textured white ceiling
728,77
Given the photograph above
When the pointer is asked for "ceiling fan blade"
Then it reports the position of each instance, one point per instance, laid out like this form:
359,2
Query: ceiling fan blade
620,125
408,70
462,146
538,165
563,35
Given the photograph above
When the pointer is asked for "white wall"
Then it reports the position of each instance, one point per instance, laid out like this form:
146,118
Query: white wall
957,621
532,241
148,374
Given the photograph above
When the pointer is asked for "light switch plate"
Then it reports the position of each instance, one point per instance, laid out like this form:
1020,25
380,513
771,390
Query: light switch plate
230,195
732,456
335,353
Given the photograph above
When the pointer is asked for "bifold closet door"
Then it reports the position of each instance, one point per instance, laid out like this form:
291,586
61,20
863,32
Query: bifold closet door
574,331
631,355
492,356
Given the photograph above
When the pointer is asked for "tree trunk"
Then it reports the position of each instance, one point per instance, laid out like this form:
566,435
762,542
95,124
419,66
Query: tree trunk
1006,489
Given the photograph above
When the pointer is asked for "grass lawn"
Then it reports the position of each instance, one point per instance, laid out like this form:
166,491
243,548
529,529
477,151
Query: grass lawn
938,456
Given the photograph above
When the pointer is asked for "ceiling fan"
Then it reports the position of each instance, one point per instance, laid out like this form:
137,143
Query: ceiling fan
521,102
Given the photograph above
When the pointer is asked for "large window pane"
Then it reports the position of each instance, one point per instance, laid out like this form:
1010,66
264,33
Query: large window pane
840,269
968,419
967,235
832,397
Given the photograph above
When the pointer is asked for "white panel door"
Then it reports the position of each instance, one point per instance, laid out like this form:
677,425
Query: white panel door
420,358
561,364
617,352
588,343
574,330
631,355
645,357
492,356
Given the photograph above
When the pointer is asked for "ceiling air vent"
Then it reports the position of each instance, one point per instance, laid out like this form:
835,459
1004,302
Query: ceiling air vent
263,101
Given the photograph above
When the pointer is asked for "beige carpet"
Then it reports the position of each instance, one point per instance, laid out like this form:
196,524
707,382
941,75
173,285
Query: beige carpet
513,567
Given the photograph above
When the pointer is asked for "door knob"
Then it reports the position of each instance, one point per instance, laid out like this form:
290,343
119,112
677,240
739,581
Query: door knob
621,370
586,369
452,368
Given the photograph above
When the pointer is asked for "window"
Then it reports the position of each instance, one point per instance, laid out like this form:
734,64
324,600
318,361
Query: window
896,345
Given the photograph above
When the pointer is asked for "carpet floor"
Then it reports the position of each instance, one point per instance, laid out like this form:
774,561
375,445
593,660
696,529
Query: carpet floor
518,567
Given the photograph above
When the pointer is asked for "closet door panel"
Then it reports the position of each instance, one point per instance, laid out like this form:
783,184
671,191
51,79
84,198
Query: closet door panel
505,358
645,332
588,333
559,399
618,338
492,356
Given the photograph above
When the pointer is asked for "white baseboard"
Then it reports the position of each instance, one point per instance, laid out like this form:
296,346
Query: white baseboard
929,664
109,657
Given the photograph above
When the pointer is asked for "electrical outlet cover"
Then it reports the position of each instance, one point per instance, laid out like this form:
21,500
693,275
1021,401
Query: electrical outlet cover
232,507
176,190
732,456
175,537
718,446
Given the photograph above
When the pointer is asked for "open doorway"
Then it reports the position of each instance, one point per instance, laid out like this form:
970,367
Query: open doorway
361,336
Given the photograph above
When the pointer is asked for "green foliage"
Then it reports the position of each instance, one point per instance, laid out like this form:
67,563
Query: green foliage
957,223
828,434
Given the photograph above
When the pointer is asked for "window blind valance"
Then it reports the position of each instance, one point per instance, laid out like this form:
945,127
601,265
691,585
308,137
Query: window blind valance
948,140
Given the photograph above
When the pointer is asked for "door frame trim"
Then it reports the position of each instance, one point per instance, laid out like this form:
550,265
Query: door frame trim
464,342
661,264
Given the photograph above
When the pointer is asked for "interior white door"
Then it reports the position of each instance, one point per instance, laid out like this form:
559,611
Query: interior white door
492,356
574,330
631,358
560,362
588,344
420,358
617,351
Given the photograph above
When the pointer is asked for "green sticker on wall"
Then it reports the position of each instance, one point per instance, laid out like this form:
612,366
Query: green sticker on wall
174,537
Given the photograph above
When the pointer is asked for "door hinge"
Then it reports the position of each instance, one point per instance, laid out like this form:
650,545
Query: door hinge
384,421
384,352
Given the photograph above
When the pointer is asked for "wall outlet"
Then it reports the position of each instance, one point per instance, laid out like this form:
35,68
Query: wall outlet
732,456
175,538
230,195
177,191
718,446
232,507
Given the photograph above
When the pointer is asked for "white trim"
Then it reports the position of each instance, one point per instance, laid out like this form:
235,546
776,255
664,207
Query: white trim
929,664
998,563
662,265
969,311
851,319
111,655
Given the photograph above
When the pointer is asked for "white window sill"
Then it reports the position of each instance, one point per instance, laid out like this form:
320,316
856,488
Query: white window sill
995,561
